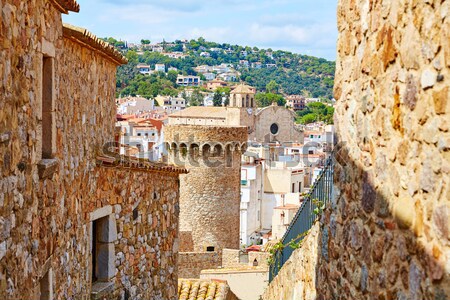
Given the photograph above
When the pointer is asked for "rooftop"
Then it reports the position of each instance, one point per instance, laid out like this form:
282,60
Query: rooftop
65,6
203,289
240,269
243,89
201,112
288,206
89,40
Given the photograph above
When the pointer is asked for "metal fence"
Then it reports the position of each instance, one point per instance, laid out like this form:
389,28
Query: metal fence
319,196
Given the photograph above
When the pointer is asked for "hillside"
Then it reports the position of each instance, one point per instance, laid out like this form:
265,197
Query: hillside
293,73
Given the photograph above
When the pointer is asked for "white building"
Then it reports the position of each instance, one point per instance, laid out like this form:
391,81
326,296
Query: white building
230,76
203,69
188,80
144,69
134,105
160,68
208,100
281,218
283,185
140,138
171,104
209,76
222,68
251,198
244,63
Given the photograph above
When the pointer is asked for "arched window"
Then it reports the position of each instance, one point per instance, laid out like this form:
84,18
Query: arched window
194,151
206,151
217,150
183,149
229,156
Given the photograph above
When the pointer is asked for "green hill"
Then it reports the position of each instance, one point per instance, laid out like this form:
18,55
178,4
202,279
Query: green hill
294,73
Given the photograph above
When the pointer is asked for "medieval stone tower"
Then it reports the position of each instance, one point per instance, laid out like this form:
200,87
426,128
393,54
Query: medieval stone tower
210,193
243,96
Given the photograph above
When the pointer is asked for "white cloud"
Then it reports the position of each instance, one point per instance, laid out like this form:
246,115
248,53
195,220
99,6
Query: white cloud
296,25
217,34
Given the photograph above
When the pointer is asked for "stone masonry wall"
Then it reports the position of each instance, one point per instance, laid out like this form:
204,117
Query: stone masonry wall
190,264
230,258
210,193
146,250
388,237
297,278
386,234
45,222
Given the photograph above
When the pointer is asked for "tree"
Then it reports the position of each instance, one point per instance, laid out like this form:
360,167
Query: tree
172,76
272,87
266,99
316,111
132,56
119,44
217,99
145,42
196,99
308,118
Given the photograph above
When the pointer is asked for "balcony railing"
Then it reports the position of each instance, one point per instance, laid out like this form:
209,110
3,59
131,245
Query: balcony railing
313,204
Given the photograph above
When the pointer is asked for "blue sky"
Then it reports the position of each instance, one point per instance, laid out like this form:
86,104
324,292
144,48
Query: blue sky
301,26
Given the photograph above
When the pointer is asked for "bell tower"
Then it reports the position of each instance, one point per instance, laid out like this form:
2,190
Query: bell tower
243,96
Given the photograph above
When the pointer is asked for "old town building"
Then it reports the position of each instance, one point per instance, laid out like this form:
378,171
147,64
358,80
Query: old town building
76,221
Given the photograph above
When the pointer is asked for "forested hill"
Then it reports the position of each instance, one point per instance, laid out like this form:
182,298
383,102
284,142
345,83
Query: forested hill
294,73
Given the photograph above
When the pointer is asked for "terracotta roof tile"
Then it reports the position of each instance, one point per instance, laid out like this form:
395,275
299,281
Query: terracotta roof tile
202,289
89,40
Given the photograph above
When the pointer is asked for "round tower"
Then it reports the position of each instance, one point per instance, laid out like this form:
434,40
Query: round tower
210,192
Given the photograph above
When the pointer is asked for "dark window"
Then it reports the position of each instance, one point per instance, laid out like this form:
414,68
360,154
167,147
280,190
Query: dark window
293,187
45,287
274,128
101,250
210,249
94,250
47,108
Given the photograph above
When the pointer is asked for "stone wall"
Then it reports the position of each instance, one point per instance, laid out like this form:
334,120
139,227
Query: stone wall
285,121
47,207
297,277
387,233
230,258
392,116
146,250
210,193
261,258
190,264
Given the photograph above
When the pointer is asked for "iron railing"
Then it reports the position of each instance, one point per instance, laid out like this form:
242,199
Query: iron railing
319,196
